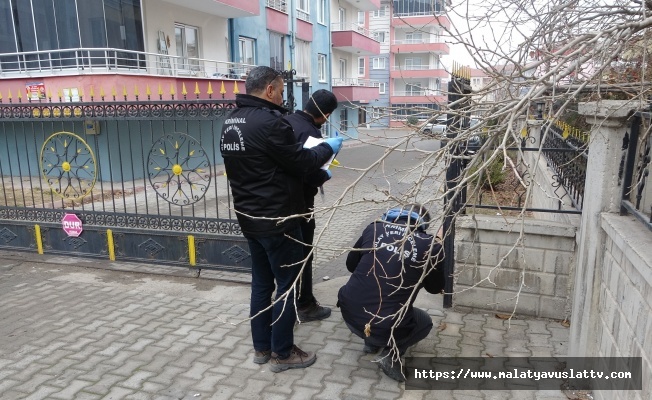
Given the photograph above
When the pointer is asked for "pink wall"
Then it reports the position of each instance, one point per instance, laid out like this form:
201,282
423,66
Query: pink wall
304,30
83,83
276,20
355,40
247,5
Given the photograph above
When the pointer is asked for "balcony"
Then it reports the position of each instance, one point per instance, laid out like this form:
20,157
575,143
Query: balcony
419,46
355,90
278,5
418,71
221,8
417,21
85,61
354,39
418,96
365,5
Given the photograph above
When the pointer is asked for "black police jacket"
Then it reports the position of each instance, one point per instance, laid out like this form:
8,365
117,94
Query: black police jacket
265,166
388,262
304,126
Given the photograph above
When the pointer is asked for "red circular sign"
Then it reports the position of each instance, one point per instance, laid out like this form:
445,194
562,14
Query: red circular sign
72,225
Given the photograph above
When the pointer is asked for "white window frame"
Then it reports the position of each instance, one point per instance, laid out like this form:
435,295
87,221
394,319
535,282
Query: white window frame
321,68
303,10
321,11
382,87
379,13
302,58
379,63
377,36
362,68
185,64
243,43
282,48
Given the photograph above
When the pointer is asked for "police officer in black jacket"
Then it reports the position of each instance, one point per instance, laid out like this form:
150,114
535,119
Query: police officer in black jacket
392,260
265,166
307,123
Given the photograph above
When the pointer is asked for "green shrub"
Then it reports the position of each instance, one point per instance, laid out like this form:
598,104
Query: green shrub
492,176
412,120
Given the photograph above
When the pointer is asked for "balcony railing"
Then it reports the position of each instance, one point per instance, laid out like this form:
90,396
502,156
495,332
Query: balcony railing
102,60
354,82
344,26
431,13
302,15
278,5
417,41
416,67
424,92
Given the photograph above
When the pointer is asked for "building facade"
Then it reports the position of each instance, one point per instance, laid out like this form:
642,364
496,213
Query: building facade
417,76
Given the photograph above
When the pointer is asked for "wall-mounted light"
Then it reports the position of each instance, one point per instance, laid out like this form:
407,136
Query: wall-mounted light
540,105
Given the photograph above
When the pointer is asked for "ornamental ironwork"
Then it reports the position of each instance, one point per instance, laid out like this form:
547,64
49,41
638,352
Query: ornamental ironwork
68,165
186,109
179,169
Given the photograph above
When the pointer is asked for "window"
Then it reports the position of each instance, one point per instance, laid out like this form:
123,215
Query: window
382,88
381,12
379,63
342,16
321,11
379,36
413,90
321,67
413,64
343,74
303,10
302,58
361,20
276,51
247,50
361,66
414,37
187,44
416,8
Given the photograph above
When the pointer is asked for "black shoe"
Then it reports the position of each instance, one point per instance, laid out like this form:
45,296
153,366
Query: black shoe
313,312
390,368
261,357
370,349
297,359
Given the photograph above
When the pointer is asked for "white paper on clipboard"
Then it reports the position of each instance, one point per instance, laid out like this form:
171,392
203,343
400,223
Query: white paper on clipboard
312,142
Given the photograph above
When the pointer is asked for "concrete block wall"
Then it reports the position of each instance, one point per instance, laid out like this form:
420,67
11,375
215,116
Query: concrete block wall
498,273
624,326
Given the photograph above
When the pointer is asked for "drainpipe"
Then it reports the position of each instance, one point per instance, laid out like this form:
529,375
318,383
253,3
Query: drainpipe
330,57
232,40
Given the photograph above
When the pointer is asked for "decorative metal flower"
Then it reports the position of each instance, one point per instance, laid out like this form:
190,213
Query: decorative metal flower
68,165
179,169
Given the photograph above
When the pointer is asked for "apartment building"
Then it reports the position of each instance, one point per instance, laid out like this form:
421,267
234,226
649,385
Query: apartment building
71,48
417,76
353,43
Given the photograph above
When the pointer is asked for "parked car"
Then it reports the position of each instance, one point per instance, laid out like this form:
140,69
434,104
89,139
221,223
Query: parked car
436,128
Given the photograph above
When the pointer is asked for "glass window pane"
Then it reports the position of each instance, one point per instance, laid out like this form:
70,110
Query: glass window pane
276,55
7,37
91,23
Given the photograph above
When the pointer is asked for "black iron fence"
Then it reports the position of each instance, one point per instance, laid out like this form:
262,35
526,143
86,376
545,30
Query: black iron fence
144,178
635,170
566,153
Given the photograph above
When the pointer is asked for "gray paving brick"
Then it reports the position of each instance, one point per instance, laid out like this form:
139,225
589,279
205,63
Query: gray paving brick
71,390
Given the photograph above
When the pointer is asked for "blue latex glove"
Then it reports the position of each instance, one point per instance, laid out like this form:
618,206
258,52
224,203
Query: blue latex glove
335,143
329,173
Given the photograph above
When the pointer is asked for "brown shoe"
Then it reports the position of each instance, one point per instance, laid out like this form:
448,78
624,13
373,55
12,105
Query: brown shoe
297,359
261,357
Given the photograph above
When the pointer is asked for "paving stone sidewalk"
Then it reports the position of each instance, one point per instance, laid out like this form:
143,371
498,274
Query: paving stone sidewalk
74,333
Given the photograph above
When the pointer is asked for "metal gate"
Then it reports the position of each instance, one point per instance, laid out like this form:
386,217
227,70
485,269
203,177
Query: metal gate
144,179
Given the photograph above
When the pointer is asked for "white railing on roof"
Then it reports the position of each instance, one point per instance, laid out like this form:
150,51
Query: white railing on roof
279,5
102,60
345,26
354,82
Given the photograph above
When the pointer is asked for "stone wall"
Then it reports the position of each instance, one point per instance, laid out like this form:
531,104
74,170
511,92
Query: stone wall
496,272
625,303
